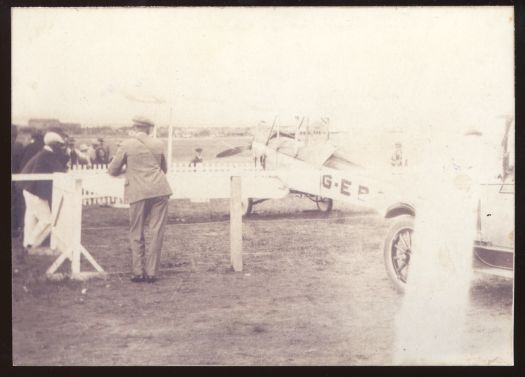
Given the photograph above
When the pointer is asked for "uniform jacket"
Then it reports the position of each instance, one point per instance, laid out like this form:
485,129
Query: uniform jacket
30,151
145,168
45,161
17,151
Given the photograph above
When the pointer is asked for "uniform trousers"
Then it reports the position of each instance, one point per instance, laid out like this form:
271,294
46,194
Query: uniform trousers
37,220
156,209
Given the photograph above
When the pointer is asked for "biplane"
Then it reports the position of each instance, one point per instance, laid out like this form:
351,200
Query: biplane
309,165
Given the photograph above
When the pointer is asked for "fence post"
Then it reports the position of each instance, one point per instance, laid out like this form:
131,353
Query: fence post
76,220
236,223
54,205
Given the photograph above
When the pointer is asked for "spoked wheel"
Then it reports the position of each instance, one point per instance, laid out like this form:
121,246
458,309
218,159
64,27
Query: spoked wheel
247,207
324,204
398,250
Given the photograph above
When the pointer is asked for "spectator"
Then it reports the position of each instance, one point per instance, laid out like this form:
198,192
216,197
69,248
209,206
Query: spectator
101,157
197,159
16,154
34,146
20,139
37,194
106,149
92,151
83,155
73,153
397,156
97,153
147,190
15,147
65,157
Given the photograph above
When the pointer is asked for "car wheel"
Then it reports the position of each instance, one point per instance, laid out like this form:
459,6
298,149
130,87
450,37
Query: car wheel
247,207
324,204
398,249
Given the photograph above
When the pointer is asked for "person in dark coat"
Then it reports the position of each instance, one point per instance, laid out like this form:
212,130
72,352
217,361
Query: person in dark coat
65,156
16,154
36,144
73,154
20,138
105,147
17,148
37,194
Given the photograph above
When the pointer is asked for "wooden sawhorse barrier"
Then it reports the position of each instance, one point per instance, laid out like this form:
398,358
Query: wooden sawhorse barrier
66,224
66,231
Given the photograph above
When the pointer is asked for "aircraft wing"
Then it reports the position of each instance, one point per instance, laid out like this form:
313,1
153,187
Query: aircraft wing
316,155
303,179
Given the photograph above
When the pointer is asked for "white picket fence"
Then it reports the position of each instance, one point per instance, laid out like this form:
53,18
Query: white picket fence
208,167
90,198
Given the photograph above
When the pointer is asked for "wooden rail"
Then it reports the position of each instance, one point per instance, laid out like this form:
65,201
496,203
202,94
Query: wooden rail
73,250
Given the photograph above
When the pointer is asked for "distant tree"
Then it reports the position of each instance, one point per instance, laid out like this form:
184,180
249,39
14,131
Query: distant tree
123,130
162,132
203,133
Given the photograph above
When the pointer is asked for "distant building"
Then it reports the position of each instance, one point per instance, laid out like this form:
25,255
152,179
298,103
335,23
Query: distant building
43,123
73,128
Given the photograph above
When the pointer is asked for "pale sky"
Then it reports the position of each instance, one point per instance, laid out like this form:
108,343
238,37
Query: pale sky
361,67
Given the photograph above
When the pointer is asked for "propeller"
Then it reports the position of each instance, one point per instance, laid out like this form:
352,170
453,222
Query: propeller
233,151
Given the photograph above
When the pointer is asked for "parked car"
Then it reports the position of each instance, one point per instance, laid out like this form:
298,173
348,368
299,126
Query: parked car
493,248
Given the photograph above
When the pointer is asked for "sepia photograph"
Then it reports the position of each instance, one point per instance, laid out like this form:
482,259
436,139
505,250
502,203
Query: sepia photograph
263,186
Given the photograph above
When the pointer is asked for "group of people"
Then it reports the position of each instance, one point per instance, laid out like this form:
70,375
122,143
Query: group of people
141,159
35,152
95,154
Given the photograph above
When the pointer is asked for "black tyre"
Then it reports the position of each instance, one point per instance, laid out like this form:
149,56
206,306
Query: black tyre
247,207
398,249
324,204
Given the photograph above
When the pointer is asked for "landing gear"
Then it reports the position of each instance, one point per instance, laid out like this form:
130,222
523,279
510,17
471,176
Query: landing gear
247,207
324,204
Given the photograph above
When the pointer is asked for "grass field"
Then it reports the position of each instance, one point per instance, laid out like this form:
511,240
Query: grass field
313,292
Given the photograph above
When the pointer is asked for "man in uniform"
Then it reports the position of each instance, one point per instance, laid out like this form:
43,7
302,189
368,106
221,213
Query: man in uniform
147,191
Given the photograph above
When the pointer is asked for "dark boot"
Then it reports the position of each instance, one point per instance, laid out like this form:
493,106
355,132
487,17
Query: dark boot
137,278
